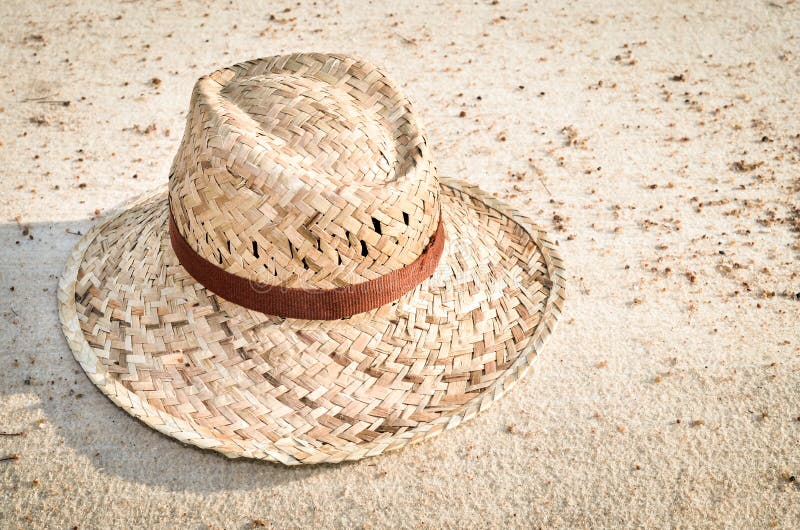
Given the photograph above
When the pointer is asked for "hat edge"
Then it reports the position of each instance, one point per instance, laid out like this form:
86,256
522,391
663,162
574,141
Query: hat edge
175,427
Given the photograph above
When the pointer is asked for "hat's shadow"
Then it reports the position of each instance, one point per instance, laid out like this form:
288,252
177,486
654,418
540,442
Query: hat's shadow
84,418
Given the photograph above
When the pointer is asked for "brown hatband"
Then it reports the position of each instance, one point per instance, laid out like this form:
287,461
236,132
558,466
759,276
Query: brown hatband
309,304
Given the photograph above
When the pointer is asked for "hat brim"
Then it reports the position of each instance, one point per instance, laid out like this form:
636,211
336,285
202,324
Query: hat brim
215,375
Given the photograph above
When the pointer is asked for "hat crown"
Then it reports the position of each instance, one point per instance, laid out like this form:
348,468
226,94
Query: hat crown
304,170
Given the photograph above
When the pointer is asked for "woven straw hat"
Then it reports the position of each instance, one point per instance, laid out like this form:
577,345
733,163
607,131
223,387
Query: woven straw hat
308,289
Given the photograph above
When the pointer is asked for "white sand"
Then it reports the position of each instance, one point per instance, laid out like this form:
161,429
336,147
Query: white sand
590,438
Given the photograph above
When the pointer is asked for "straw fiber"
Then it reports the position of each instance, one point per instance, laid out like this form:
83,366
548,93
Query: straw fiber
306,170
309,171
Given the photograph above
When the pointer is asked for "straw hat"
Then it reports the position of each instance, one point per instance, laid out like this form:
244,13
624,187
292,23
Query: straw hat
308,289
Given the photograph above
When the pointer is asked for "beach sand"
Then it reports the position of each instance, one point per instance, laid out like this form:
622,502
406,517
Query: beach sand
658,142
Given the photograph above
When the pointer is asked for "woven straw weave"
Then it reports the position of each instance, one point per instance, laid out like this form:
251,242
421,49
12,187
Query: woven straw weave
305,170
286,165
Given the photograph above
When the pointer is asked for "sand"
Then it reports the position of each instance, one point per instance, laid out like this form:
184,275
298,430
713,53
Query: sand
658,144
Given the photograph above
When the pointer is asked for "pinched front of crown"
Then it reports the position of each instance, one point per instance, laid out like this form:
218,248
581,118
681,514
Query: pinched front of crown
304,170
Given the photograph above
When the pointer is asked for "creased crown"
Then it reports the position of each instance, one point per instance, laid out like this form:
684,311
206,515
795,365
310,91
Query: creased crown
304,170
